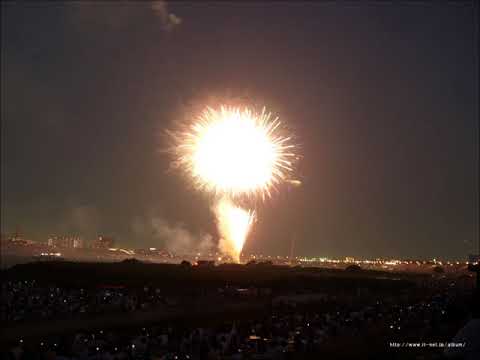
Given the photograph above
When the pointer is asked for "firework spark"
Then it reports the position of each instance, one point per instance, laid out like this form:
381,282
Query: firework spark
234,224
235,152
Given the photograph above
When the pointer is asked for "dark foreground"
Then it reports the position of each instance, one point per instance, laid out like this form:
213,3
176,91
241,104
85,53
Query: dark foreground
132,310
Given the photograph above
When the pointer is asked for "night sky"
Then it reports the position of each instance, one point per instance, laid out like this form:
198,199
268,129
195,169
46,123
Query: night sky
383,99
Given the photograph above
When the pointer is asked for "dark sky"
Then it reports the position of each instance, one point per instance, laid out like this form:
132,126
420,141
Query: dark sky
383,99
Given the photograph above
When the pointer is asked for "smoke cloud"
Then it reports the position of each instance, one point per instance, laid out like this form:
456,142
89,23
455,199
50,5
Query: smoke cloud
168,20
174,238
120,14
82,220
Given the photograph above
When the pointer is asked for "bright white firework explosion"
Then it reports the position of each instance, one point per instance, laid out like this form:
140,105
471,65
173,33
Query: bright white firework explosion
233,153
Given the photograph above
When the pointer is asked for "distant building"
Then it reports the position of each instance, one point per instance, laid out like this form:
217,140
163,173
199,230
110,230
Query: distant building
18,239
78,243
69,242
21,242
104,242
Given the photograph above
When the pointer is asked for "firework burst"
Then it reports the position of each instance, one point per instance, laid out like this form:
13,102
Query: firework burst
234,152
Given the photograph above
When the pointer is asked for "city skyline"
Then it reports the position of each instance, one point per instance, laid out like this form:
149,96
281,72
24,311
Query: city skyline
69,241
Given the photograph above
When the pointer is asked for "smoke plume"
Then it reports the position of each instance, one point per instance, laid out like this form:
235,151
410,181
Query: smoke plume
175,238
83,220
168,20
97,15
